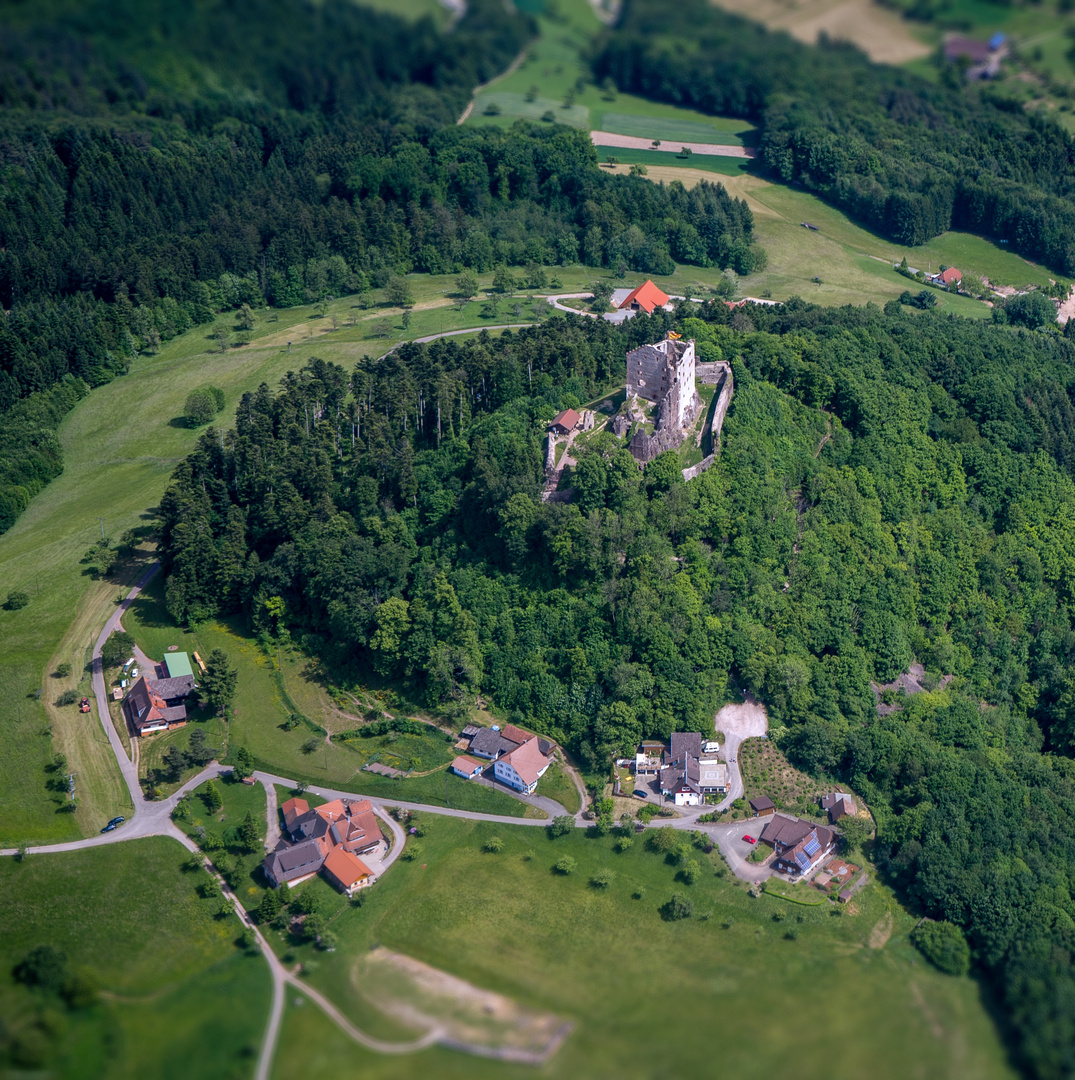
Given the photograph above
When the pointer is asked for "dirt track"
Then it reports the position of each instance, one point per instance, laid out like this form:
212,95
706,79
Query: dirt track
674,146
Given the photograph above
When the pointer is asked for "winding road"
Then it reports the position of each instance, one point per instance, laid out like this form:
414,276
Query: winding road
154,818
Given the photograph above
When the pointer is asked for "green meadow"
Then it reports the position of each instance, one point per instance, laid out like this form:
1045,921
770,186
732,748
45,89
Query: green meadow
754,983
170,984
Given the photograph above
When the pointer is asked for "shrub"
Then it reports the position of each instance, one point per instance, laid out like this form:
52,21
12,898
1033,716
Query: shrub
560,826
678,907
16,599
565,865
68,697
602,879
63,670
690,871
639,892
943,944
493,845
623,844
200,408
411,852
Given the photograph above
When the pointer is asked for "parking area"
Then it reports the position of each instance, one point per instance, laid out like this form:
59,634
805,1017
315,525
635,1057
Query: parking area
737,851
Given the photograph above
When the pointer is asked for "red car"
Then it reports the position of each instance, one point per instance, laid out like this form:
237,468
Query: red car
750,839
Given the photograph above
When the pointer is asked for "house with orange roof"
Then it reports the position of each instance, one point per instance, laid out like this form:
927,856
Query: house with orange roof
647,297
292,810
346,871
523,767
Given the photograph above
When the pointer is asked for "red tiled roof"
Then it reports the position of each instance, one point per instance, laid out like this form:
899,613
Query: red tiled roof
528,760
568,419
647,296
950,275
294,808
516,734
346,868
466,765
331,811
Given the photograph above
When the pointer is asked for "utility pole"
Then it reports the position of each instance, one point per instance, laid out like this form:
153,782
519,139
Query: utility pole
102,521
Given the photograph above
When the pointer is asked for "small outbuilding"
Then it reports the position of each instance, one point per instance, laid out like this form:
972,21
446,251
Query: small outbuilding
467,767
762,806
566,422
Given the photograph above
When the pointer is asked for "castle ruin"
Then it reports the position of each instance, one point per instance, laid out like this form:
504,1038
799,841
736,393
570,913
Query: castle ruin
664,375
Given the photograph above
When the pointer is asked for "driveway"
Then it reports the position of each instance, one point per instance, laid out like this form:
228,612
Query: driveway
738,722
736,851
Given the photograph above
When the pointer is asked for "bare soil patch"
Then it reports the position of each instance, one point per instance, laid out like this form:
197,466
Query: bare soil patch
428,999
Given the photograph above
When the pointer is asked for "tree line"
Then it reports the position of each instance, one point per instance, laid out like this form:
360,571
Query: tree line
907,157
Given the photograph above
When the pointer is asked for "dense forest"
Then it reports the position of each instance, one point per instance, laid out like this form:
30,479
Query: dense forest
390,520
139,195
908,157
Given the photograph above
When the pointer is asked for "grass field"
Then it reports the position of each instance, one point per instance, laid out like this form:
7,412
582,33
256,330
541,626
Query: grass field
609,963
721,166
556,784
882,34
260,713
180,993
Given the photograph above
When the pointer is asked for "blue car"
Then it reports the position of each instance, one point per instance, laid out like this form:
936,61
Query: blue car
117,821
108,828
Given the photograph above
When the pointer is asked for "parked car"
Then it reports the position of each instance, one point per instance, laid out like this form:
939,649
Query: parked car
640,794
117,821
750,839
109,827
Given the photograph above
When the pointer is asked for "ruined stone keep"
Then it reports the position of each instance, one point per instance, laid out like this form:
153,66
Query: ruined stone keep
663,374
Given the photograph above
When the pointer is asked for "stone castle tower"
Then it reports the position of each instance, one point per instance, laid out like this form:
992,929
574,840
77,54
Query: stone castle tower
664,374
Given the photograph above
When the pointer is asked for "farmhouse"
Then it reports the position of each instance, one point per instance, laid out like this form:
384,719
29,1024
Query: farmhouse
691,772
293,863
467,767
491,743
798,844
336,831
346,871
982,57
159,704
647,297
523,767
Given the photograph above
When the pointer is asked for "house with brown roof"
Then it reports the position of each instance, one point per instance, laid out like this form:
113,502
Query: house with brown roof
523,767
467,767
647,297
762,806
837,805
158,704
313,836
799,845
491,743
563,423
291,864
346,871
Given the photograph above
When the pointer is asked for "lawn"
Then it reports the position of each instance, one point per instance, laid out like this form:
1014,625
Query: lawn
556,784
179,993
709,163
507,924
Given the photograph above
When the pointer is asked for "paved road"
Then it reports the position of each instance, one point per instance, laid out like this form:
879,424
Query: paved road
100,692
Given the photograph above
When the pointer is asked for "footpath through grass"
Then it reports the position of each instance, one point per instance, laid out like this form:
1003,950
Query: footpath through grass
171,986
605,959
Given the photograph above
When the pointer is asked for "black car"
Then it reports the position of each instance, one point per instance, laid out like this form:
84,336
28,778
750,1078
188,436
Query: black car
117,821
109,827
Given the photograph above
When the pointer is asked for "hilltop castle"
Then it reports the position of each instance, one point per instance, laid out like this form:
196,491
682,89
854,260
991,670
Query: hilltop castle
663,374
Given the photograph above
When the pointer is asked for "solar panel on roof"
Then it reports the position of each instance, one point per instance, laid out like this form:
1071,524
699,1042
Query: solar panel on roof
812,847
803,861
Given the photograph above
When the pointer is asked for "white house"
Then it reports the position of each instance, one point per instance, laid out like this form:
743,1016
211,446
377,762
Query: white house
467,767
523,767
